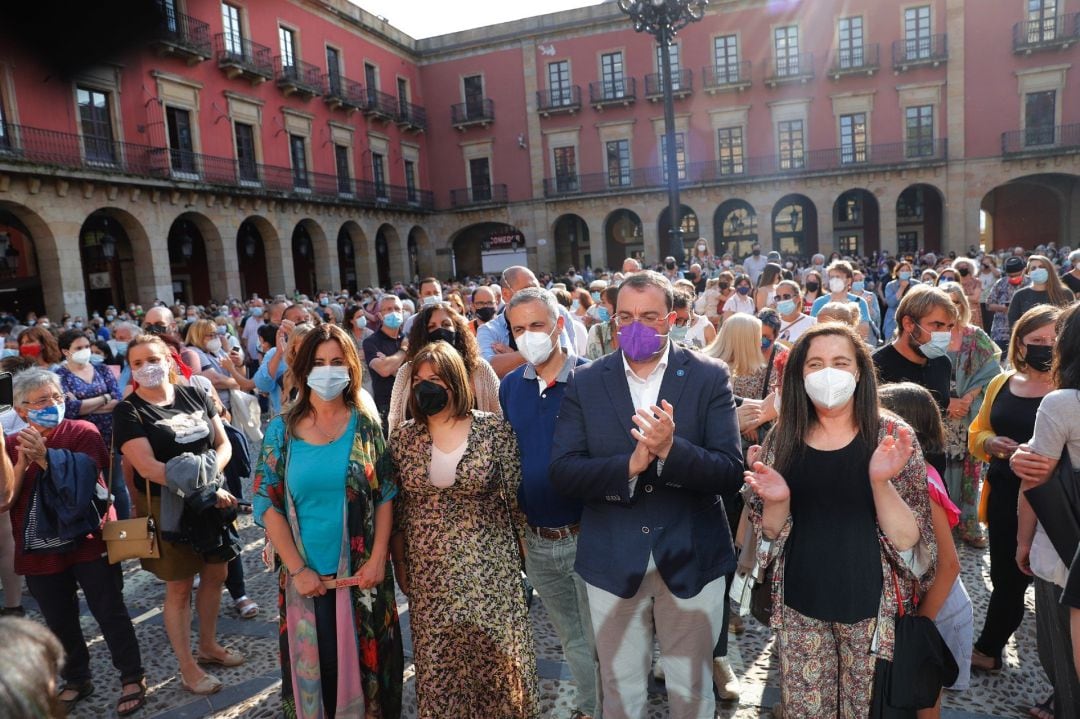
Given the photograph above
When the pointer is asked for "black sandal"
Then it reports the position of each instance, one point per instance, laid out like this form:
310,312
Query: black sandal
138,697
82,690
1043,709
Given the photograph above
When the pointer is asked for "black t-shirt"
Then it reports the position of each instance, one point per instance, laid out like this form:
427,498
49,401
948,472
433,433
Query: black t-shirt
935,375
172,430
1072,282
381,387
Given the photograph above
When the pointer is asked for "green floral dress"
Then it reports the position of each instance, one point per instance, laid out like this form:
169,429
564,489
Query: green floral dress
368,477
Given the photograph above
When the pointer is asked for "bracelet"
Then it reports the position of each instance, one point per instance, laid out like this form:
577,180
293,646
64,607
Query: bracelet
298,572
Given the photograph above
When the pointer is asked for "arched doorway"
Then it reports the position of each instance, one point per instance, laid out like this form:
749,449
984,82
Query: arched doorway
20,274
303,256
623,237
735,227
386,244
794,222
919,219
188,263
1030,211
108,262
251,240
688,224
421,254
488,248
856,228
571,235
346,257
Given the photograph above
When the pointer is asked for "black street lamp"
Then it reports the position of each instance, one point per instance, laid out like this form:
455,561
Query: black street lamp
663,19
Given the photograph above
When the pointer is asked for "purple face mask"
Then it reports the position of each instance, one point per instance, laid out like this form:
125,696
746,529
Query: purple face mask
639,342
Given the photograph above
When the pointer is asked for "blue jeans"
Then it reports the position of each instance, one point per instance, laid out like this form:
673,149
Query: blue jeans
119,489
550,567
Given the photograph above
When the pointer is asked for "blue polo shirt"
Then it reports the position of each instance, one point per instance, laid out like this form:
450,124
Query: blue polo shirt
532,412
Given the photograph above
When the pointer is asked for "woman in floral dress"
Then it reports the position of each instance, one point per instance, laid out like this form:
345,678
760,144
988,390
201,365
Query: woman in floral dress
456,551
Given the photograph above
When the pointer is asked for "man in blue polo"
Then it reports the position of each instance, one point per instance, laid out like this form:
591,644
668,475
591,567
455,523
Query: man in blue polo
530,396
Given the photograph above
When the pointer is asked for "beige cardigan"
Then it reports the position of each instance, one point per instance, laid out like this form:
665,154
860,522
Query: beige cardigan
485,386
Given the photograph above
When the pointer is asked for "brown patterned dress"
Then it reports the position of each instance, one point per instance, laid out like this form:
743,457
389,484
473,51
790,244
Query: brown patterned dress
471,634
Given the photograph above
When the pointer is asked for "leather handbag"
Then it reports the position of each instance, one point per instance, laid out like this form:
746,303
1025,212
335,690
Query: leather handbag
135,538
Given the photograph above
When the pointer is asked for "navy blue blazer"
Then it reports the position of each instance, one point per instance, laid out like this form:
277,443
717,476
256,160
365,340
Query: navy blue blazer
677,516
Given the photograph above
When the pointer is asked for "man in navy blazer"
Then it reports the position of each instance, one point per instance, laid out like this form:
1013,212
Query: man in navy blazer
648,439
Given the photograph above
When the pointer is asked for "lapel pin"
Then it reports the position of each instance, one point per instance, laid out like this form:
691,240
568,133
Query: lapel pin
680,372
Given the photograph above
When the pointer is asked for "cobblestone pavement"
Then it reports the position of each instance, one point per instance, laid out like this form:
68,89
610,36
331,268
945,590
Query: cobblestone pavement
252,690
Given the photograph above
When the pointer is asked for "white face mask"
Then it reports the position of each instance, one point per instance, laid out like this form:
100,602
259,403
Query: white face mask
213,346
328,382
81,356
830,387
836,285
937,346
535,347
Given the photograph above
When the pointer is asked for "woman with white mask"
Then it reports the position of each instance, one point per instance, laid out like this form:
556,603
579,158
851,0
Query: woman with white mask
216,363
837,479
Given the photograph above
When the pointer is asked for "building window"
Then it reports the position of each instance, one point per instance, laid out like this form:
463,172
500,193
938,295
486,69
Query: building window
474,97
786,41
850,53
726,59
792,144
410,181
287,38
378,175
371,76
850,210
341,161
96,123
5,139
245,152
333,70
480,179
1042,21
181,145
673,63
919,131
618,163
907,243
910,207
1039,114
234,36
298,153
853,138
848,245
559,92
566,179
403,96
917,39
611,75
680,155
731,150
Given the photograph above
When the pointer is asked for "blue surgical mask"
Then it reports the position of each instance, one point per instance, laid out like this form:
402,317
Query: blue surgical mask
766,343
393,320
677,333
937,345
905,276
120,347
1039,275
97,359
785,307
603,314
858,286
575,305
595,296
47,417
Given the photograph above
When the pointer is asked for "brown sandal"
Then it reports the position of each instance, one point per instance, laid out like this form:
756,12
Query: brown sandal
138,697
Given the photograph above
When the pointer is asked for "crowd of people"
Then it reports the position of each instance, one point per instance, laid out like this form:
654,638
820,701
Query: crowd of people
598,437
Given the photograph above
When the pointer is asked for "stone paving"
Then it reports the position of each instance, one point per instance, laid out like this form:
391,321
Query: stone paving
252,690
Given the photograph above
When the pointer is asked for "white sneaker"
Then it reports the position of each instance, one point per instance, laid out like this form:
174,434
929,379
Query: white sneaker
727,684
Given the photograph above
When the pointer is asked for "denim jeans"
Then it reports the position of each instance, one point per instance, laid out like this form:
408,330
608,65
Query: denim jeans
550,567
119,489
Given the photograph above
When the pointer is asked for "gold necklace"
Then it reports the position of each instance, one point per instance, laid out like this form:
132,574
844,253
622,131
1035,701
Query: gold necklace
329,437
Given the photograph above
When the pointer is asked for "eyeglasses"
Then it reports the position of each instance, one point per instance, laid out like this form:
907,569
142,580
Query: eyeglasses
45,401
784,297
649,318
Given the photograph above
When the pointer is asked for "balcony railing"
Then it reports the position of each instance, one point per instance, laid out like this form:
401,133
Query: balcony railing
613,92
240,57
732,76
298,77
410,116
380,105
1041,140
1058,31
840,159
340,91
495,194
559,99
789,68
925,50
184,36
480,111
682,84
32,145
861,59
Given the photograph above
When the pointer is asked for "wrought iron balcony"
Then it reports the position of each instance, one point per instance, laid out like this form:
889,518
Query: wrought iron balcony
612,92
473,112
917,51
239,57
559,99
731,76
342,92
410,116
682,85
183,36
494,194
380,105
1058,31
857,60
1061,139
789,68
298,77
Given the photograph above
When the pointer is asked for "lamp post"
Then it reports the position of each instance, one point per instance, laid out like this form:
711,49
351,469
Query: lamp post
663,19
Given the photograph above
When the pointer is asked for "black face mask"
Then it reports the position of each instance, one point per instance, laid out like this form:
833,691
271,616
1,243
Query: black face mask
757,252
813,286
964,271
156,329
441,333
484,314
430,397
1038,357
669,265
723,286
